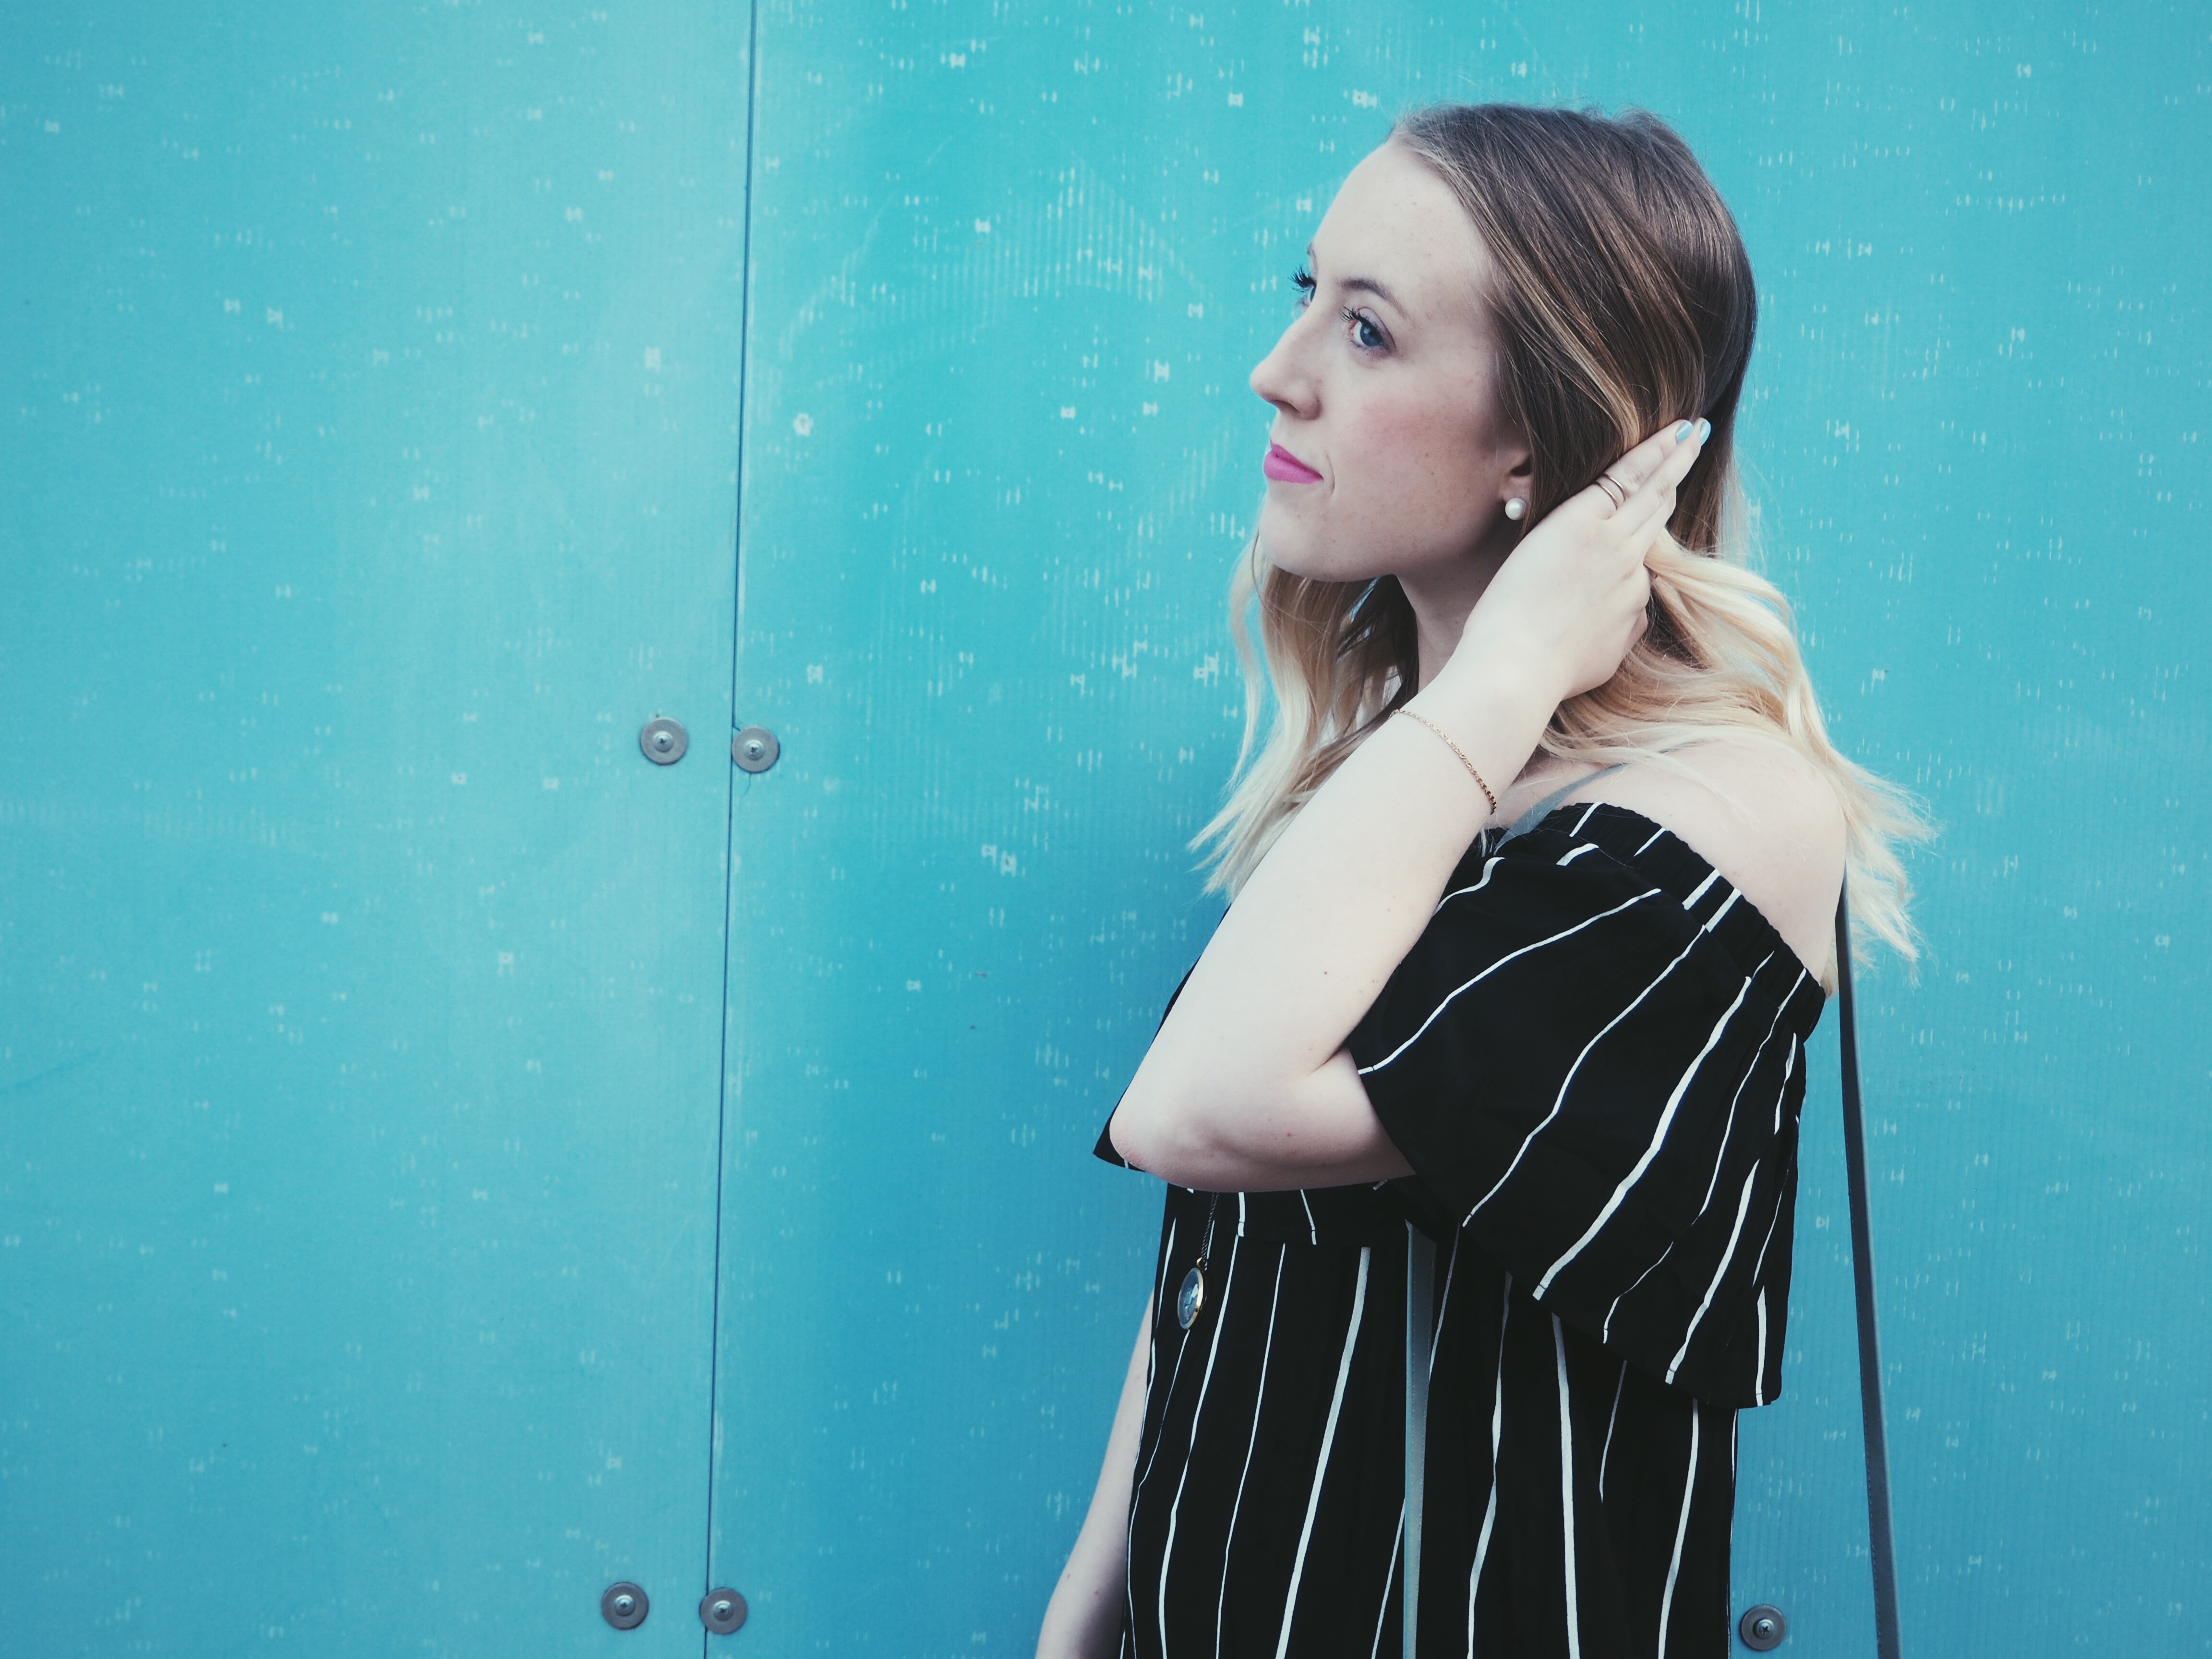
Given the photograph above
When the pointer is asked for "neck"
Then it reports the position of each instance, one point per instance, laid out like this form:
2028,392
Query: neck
1442,599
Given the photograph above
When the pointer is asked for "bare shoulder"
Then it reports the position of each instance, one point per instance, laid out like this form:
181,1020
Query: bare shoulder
1764,816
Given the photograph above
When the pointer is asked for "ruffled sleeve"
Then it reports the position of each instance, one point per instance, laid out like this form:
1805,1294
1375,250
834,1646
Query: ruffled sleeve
1593,1060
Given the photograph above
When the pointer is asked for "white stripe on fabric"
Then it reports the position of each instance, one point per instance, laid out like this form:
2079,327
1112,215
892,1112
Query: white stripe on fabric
1728,1127
1727,905
1681,1531
1167,1257
1666,1123
1758,1273
1587,847
1197,1412
1788,1066
1759,1268
1605,1330
1605,1456
1728,1255
1584,819
1382,1613
1567,1494
1152,1376
1646,847
1443,1305
1699,891
1509,957
1758,1375
1313,1233
1240,1215
1259,1400
1327,1439
1488,865
1497,1436
1560,1104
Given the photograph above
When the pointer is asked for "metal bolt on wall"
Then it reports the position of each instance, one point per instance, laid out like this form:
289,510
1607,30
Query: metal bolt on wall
624,1605
722,1611
1762,1628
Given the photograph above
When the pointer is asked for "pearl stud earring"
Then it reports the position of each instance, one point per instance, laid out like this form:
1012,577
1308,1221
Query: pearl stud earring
1517,509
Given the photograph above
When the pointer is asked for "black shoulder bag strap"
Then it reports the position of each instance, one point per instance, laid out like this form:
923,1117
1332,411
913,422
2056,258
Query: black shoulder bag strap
1882,1545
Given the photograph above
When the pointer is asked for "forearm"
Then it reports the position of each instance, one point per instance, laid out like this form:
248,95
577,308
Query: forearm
1084,1619
1245,1075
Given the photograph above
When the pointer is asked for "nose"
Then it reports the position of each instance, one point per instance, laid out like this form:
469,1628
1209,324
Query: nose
1282,379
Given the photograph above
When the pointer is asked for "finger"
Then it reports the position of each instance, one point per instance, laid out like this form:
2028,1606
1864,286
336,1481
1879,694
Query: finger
1644,516
1675,465
1659,461
1639,518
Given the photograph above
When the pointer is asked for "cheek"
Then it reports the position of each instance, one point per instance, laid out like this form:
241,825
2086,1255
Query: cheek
1418,457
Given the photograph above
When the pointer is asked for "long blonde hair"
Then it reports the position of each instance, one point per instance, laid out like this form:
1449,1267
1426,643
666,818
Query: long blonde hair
1624,297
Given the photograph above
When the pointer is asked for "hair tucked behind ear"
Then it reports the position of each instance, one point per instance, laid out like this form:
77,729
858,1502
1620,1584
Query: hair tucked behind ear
1623,300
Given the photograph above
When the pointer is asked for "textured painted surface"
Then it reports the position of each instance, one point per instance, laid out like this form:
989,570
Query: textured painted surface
369,481
1008,271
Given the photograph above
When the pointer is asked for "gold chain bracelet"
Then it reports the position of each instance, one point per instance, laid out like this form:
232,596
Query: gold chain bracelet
1488,793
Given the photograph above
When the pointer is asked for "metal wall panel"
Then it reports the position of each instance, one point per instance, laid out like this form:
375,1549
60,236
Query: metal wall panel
371,427
1011,268
368,481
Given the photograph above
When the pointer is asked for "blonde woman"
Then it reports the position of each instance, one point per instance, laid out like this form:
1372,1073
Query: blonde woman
1495,1059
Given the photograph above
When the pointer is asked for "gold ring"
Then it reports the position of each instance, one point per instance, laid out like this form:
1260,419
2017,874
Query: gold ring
1612,487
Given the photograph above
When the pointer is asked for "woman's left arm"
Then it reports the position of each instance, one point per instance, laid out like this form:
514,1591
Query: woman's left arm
1247,1086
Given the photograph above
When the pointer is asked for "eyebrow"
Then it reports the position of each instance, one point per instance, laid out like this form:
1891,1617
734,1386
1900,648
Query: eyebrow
1369,285
1362,285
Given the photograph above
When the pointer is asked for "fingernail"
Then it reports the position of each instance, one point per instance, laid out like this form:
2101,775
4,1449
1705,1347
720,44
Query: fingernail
1704,430
1682,432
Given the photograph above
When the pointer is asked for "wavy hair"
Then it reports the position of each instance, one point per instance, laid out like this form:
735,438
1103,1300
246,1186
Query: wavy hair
1623,298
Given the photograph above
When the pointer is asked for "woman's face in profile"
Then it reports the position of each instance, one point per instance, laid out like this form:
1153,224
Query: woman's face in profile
1388,456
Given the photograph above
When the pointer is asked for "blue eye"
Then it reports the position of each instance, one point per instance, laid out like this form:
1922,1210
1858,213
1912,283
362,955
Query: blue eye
1302,279
1366,332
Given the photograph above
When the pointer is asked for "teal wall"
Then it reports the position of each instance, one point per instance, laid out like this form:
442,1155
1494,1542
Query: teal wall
448,1163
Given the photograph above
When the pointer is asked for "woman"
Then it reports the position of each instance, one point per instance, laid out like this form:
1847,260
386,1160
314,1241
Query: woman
1490,1076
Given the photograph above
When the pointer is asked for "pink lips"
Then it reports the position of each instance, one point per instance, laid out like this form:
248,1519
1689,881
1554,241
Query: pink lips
1286,468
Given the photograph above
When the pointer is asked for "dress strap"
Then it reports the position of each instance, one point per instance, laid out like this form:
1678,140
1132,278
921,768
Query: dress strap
1544,808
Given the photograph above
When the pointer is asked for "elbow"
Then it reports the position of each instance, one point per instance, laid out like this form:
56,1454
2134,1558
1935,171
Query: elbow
1203,1129
1164,1133
1140,1130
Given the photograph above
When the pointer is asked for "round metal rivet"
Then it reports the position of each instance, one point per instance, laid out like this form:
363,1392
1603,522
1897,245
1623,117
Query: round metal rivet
624,1605
1762,1628
722,1611
755,749
664,741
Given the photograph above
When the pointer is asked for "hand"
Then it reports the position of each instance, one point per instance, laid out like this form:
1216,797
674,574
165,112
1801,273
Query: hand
1574,598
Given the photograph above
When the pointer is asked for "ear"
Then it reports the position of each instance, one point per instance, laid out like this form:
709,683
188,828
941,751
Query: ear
1521,473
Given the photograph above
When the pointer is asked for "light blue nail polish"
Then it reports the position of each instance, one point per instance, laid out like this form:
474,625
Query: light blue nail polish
1683,431
1704,430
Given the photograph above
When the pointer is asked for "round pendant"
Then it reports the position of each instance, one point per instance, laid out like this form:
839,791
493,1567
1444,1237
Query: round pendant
1191,1299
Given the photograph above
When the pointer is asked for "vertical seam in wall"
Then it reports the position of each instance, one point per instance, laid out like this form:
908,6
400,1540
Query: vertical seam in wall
730,796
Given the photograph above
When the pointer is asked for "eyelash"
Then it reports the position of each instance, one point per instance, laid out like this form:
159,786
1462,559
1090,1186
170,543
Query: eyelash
1302,280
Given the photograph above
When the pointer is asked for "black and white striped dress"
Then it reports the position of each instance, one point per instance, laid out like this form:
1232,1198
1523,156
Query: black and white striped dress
1593,1058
